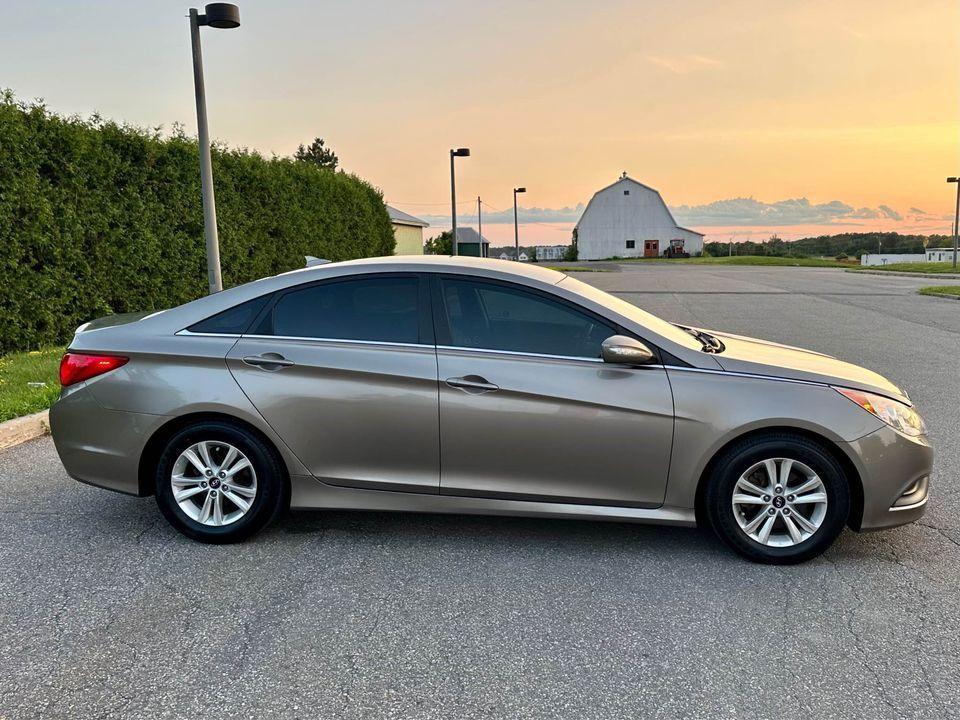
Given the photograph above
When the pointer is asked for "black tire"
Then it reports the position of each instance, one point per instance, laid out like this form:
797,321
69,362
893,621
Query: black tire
271,486
739,458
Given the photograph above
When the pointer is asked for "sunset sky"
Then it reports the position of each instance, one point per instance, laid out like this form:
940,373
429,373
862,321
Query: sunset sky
749,117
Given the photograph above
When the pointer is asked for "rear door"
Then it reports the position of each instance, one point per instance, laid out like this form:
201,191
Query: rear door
528,410
345,371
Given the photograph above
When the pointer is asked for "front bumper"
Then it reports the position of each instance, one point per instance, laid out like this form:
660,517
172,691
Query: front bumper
98,446
895,471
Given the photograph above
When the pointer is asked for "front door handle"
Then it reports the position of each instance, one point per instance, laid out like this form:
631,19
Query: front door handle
268,361
472,384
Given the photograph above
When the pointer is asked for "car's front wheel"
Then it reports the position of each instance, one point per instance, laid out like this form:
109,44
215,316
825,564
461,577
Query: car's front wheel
219,483
778,498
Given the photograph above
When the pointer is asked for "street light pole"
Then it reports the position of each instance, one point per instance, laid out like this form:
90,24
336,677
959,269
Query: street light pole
956,219
459,152
218,15
516,226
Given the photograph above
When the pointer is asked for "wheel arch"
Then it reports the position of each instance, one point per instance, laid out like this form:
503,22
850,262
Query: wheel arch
158,441
852,474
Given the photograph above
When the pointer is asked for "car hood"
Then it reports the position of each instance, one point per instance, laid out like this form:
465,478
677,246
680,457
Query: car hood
760,357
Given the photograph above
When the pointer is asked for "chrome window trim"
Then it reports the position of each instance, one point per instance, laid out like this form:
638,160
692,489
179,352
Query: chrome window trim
338,341
188,333
514,353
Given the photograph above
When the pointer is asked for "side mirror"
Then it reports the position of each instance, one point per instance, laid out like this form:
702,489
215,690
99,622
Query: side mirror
625,351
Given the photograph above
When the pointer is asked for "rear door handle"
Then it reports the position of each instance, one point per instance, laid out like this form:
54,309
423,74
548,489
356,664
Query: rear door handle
472,384
268,361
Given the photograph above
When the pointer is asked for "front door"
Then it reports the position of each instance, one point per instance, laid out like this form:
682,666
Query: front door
651,248
528,410
345,371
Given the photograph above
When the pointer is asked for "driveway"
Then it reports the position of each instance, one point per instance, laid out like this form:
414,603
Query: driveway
106,612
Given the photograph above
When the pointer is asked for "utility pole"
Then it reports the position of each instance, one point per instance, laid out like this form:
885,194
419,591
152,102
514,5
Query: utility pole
217,15
956,219
480,225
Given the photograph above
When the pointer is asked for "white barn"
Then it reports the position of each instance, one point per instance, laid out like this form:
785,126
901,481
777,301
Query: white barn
629,219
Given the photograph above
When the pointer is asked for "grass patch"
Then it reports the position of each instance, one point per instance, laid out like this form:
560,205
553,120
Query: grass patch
765,260
576,268
941,290
917,267
28,381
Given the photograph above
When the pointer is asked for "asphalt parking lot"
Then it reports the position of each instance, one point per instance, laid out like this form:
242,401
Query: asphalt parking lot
106,612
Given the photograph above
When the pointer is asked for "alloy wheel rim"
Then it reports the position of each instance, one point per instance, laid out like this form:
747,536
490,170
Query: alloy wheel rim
213,483
779,502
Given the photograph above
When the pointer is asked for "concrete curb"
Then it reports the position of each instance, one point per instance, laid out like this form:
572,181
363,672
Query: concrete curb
19,430
940,295
898,273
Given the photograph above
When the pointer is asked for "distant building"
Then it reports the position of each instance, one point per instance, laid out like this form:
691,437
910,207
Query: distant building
524,257
630,219
504,256
468,243
931,255
550,252
408,231
939,255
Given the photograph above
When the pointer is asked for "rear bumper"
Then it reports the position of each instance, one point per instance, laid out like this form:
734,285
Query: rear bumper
98,446
895,471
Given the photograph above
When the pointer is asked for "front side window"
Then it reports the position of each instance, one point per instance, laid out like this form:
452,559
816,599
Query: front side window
383,309
491,316
631,244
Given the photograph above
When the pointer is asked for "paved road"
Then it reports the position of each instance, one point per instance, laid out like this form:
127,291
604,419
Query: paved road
106,612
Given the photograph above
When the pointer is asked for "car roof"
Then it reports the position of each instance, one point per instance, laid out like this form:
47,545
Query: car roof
182,316
433,263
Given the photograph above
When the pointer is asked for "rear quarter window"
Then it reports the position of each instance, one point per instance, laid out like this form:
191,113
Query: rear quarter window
233,321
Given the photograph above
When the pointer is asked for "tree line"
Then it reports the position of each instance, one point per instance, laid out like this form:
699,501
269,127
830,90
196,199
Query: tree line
99,218
843,244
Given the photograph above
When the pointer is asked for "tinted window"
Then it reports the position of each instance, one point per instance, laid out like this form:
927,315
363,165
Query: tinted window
501,317
385,309
234,321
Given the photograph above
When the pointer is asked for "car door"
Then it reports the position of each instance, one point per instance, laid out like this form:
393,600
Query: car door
528,410
345,371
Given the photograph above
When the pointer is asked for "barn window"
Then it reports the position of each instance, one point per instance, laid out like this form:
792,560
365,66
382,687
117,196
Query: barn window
626,192
631,244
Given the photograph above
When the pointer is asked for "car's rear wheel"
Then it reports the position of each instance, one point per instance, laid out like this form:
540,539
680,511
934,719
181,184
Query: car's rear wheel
219,483
778,498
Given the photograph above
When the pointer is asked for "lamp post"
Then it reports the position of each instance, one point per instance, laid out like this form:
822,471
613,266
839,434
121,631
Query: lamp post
956,219
223,16
459,152
516,226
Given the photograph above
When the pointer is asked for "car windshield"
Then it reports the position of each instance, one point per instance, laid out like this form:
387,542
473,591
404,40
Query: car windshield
632,312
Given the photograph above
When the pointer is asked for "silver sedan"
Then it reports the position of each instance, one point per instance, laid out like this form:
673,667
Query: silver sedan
430,384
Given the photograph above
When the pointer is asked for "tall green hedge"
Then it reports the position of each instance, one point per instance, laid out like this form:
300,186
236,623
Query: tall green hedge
97,218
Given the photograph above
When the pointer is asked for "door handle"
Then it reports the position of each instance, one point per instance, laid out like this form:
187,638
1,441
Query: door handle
472,384
268,361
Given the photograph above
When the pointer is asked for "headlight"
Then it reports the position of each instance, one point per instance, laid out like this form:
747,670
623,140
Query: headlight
895,414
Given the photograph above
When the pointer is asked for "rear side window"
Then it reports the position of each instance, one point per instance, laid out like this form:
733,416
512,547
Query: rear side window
501,317
234,321
381,309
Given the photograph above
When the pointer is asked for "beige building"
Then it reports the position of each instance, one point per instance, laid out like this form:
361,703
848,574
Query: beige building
408,232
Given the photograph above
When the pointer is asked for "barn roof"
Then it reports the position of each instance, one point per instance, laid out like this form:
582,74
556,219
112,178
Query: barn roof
626,178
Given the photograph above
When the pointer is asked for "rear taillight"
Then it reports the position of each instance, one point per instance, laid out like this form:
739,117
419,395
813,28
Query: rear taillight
76,367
